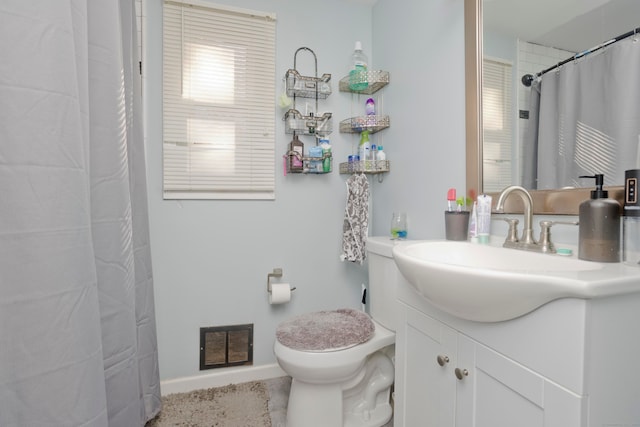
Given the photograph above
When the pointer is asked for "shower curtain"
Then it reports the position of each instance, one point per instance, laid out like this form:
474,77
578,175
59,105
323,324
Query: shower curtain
77,323
589,119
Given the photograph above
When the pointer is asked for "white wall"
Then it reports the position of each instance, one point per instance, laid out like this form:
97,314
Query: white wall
211,258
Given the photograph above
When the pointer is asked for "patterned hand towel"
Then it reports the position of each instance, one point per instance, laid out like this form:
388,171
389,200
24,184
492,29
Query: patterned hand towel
356,219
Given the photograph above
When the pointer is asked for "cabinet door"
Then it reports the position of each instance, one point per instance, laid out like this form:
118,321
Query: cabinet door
498,392
425,384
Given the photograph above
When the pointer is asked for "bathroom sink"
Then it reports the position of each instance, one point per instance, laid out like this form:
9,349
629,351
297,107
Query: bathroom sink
489,283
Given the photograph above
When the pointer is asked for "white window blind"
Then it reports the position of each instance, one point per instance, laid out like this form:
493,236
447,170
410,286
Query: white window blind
218,102
497,124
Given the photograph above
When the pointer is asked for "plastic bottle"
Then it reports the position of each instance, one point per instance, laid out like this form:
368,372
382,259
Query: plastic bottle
370,107
326,154
358,75
364,150
380,159
599,229
315,165
370,111
296,151
374,157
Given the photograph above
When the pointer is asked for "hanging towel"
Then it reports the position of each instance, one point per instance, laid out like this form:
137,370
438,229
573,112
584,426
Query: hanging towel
356,219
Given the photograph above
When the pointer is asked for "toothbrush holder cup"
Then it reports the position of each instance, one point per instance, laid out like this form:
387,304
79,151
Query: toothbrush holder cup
456,225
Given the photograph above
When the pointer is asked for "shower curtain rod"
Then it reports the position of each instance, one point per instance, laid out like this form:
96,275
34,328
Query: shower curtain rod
527,79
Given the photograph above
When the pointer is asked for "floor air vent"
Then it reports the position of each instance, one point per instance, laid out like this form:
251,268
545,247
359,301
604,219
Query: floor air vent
223,346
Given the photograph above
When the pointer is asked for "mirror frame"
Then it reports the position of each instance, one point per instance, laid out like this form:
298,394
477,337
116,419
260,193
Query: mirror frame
550,202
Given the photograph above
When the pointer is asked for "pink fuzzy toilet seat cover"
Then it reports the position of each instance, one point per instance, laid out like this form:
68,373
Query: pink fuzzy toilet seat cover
326,330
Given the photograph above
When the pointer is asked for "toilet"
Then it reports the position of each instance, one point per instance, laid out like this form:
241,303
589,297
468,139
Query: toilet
341,362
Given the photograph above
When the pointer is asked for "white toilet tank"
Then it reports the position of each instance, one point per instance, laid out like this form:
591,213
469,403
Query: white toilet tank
383,281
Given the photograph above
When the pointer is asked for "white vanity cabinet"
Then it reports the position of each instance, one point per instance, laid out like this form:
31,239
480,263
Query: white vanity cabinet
445,378
562,365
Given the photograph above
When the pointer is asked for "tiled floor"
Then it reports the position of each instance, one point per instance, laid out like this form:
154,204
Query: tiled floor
278,389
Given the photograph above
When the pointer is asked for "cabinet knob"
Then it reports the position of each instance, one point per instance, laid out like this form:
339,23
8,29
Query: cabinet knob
442,360
461,373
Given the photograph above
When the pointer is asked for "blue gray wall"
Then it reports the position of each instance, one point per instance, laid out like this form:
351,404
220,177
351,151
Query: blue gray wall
211,258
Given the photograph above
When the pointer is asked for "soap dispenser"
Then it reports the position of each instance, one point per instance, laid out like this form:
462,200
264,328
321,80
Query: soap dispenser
599,229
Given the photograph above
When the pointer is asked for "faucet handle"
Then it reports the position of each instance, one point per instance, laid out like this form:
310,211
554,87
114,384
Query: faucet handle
548,224
512,234
545,234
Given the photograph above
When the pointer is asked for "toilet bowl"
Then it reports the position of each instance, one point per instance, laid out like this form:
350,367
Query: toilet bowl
347,382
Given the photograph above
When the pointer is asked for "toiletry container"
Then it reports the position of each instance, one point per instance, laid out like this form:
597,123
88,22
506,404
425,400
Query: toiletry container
296,152
631,219
380,158
358,80
370,107
364,150
315,153
599,229
326,155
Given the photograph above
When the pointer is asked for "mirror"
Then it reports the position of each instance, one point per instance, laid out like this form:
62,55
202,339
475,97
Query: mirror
539,25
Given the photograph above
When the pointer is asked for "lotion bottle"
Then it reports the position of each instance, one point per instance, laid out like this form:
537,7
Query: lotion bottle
599,229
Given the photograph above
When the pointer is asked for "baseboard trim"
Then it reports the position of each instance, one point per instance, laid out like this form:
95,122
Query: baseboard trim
221,377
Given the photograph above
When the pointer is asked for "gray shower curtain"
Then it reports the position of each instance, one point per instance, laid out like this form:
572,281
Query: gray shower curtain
77,323
589,119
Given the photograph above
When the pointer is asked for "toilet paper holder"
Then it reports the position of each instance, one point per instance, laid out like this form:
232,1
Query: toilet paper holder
277,272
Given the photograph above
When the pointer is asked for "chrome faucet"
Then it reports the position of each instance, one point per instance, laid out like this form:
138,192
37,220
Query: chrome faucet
526,241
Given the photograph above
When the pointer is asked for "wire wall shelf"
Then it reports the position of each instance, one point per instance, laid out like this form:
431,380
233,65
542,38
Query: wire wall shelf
307,87
367,166
376,80
312,165
295,122
370,123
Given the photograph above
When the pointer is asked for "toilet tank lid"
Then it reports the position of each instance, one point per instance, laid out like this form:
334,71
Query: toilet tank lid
381,245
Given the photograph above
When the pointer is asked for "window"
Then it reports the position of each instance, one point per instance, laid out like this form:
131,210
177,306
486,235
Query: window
218,102
497,123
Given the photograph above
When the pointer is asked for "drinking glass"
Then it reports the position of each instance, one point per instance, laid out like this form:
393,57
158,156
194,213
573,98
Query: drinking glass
399,226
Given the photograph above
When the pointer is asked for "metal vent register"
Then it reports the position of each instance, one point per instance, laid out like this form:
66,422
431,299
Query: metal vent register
223,346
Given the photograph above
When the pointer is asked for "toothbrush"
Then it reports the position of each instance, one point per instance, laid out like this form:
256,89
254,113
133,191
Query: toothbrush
451,199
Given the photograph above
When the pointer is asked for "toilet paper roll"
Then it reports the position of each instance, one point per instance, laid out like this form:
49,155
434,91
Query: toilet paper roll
280,293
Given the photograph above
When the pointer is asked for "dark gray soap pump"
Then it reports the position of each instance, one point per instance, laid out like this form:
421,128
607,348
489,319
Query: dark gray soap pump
599,229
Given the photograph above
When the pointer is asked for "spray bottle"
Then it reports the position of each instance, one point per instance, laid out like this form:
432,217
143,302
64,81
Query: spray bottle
364,150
